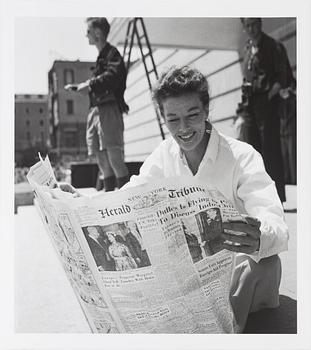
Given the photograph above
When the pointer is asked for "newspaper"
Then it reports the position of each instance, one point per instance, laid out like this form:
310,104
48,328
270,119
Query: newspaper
146,259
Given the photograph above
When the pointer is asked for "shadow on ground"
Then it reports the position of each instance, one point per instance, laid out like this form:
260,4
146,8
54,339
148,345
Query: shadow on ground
282,320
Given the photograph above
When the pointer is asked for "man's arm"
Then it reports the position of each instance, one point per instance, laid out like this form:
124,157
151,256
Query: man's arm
81,87
110,78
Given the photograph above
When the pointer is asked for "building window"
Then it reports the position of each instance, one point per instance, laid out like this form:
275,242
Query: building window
28,135
41,110
69,76
41,122
27,110
69,106
27,122
70,139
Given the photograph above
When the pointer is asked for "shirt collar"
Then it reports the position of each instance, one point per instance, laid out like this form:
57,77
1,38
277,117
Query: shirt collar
211,149
212,146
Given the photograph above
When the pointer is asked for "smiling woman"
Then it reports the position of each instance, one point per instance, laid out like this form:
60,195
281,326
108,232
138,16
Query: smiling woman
236,170
186,118
183,99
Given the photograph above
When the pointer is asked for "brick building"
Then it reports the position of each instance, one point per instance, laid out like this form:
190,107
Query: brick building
68,110
31,125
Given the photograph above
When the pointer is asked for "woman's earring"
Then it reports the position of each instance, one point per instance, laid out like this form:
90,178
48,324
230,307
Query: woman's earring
208,127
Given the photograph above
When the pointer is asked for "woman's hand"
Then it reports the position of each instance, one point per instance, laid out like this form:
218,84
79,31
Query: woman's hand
66,187
242,237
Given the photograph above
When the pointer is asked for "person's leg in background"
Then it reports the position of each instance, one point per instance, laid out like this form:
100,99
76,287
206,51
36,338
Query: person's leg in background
116,160
272,153
292,140
106,170
268,121
292,147
111,164
95,140
93,143
285,154
254,286
111,138
288,132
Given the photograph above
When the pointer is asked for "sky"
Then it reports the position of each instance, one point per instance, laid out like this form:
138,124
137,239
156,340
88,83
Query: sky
39,41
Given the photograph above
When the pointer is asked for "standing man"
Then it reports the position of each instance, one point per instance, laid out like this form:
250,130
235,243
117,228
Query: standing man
104,130
99,249
264,75
288,124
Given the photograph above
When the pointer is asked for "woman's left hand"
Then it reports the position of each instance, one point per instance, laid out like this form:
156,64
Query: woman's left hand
242,237
66,187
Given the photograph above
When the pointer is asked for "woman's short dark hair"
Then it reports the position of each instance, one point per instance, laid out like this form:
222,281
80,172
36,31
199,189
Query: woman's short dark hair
175,82
100,23
242,19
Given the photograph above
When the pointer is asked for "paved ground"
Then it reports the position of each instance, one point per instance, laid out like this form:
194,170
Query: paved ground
39,278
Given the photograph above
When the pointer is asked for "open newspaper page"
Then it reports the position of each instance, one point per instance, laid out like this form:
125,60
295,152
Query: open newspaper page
42,174
147,259
61,227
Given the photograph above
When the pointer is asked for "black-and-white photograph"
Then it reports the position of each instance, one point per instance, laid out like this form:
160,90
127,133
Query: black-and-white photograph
194,243
115,102
99,248
210,227
117,247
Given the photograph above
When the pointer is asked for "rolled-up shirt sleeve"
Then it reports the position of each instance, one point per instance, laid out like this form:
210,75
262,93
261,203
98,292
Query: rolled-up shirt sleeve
257,192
